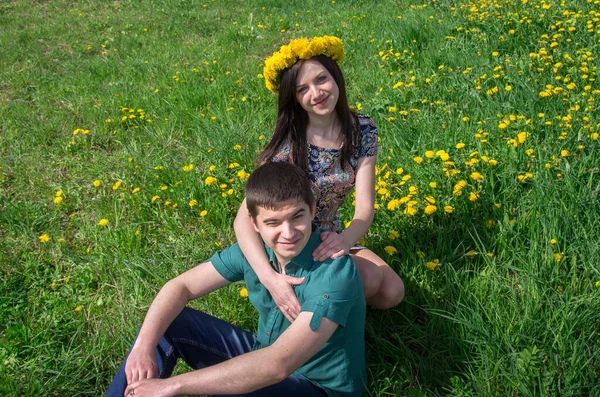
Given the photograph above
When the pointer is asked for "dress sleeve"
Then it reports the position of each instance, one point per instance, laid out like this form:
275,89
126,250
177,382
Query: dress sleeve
335,298
368,137
283,154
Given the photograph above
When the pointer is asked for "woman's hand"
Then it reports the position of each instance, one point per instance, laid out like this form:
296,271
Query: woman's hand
332,246
280,288
141,364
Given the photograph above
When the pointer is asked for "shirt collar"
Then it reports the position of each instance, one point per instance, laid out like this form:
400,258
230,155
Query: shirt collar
304,258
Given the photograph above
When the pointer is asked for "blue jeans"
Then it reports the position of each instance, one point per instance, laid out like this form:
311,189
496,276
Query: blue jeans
202,340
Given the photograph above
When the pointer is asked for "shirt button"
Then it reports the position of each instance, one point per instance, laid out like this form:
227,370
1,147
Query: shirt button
268,334
326,296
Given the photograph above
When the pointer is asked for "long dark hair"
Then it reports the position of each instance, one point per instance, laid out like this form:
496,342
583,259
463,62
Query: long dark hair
292,119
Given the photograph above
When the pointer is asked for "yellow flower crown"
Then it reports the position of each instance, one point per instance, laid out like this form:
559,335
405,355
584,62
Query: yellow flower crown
288,55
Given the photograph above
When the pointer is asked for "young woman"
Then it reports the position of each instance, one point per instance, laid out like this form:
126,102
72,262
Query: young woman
316,130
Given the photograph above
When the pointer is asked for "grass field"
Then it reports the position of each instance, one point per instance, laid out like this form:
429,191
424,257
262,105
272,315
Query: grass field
127,129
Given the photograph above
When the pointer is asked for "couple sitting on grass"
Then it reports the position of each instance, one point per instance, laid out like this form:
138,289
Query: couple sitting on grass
309,284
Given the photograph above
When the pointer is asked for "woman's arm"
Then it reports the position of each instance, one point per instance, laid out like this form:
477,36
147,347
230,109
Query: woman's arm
334,245
278,285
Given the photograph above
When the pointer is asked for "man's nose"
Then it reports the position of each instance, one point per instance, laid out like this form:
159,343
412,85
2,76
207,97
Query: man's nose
288,230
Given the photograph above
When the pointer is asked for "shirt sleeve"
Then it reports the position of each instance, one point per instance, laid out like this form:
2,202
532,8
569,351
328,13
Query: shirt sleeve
368,137
230,263
337,293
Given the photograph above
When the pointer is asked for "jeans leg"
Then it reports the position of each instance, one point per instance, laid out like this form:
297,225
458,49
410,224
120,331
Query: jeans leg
199,339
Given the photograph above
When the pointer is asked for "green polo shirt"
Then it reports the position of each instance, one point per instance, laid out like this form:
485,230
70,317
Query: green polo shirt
332,289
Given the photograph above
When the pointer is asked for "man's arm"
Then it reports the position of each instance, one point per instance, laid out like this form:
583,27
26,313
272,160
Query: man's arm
169,302
259,368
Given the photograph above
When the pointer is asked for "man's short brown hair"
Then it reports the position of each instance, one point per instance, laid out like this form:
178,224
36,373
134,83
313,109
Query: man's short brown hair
274,183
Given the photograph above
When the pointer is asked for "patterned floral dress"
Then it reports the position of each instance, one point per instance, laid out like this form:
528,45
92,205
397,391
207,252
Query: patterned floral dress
330,181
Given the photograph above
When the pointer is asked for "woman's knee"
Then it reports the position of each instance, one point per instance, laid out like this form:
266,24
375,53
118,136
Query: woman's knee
391,292
371,275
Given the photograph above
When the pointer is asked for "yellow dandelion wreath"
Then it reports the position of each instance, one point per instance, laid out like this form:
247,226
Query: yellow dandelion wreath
302,48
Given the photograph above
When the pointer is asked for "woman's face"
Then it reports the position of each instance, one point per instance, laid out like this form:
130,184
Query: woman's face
316,90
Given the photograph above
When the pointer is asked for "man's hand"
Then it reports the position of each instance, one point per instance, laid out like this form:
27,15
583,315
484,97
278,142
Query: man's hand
280,288
332,246
150,388
141,364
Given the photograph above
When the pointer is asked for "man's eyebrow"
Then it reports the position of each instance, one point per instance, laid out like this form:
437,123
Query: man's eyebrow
275,219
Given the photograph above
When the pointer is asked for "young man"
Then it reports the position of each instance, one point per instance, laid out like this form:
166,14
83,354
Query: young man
320,354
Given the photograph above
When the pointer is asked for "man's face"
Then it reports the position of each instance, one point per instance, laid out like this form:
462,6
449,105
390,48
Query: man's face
286,229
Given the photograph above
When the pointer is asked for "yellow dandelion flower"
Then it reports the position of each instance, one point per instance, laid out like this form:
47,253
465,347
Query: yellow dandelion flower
477,176
473,196
564,153
418,159
188,167
193,203
78,308
203,213
97,183
393,235
553,241
116,185
472,253
237,147
460,145
443,155
448,209
58,199
244,292
399,171
390,250
429,154
410,211
44,238
430,209
210,180
432,265
557,257
103,222
392,205
432,185
154,198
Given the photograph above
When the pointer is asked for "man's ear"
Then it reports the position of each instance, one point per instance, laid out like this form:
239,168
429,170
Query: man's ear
253,222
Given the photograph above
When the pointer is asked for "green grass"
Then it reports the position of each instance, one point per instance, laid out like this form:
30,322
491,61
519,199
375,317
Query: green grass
505,312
